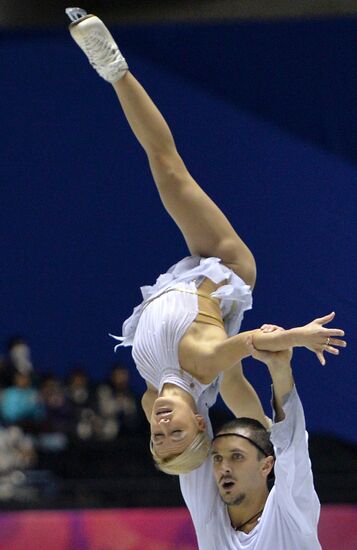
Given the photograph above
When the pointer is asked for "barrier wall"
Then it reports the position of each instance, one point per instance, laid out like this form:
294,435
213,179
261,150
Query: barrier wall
138,529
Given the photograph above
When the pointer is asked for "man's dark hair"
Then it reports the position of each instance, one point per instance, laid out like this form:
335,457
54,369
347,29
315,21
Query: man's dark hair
257,433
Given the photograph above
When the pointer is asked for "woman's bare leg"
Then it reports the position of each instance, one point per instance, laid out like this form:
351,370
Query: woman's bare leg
204,227
240,396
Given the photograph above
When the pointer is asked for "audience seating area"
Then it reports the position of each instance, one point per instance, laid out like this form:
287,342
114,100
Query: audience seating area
71,444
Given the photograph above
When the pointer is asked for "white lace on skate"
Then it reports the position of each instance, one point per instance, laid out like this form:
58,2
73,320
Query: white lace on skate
104,56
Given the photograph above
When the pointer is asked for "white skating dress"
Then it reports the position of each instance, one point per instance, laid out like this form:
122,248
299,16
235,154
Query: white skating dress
157,325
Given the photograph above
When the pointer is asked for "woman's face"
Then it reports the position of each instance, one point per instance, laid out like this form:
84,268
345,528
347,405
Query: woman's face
174,426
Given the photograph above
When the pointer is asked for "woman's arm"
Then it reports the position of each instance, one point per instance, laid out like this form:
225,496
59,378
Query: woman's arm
313,336
224,354
240,396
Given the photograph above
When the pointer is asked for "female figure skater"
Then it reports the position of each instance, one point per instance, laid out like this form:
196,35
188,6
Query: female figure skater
184,333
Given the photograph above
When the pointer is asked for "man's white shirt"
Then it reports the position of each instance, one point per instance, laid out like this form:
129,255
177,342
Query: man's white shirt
290,517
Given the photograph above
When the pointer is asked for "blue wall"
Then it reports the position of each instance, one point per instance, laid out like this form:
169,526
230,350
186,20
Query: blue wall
263,114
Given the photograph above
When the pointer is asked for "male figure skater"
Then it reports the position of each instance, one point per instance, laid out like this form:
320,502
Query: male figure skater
228,496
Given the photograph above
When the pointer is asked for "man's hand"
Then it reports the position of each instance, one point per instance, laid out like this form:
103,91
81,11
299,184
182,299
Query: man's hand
315,337
273,359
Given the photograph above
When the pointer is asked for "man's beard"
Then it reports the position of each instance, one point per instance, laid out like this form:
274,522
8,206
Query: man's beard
235,501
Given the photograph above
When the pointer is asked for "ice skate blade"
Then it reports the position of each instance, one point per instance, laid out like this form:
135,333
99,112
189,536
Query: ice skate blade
76,14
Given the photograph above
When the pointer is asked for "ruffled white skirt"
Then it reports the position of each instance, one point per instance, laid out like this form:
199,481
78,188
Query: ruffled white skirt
235,296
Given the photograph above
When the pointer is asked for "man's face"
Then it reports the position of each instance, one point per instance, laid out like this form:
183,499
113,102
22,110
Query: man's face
238,470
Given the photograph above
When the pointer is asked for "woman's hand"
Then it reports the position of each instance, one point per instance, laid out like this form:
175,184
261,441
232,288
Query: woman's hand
315,337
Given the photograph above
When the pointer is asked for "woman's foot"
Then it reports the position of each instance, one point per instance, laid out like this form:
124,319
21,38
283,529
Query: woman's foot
93,37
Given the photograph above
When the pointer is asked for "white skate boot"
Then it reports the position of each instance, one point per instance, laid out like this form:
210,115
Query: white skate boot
93,37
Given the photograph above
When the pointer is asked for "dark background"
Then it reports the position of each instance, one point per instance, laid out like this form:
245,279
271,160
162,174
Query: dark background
263,112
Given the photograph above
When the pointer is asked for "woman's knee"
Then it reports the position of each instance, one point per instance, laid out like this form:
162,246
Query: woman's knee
168,168
240,259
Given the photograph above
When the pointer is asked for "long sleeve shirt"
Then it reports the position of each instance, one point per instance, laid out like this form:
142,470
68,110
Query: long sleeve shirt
290,517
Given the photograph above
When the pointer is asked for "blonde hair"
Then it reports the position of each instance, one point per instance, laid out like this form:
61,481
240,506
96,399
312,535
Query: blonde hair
191,458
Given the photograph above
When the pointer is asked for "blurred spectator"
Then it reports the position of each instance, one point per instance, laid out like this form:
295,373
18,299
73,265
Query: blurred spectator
56,404
85,422
17,359
117,404
78,389
17,454
16,450
58,411
21,403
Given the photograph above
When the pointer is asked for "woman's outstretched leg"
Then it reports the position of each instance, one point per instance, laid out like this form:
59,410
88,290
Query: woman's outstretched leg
205,228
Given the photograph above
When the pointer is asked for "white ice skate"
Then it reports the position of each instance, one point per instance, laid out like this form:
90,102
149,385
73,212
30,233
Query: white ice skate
93,37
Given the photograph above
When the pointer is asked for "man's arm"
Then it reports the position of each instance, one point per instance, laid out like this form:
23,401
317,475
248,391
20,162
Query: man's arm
294,488
283,382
